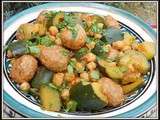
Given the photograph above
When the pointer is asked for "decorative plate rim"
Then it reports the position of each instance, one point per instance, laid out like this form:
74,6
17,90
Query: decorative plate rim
32,113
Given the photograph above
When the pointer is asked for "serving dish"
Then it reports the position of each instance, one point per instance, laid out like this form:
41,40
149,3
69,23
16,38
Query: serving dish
137,104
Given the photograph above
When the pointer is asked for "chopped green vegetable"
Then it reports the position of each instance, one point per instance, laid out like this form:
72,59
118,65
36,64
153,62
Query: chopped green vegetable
95,74
34,50
65,52
70,68
100,50
96,29
90,39
81,52
44,41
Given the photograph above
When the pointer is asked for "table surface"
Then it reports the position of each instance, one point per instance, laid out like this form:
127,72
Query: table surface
145,10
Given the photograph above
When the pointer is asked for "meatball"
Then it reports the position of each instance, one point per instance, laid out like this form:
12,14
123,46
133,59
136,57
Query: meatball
23,68
113,91
111,22
54,58
73,43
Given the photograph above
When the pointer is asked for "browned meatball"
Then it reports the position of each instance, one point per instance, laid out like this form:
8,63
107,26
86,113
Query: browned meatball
54,58
113,91
23,68
73,43
111,22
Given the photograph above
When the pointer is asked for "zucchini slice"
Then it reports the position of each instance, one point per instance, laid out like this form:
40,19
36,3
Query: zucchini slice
97,88
86,98
133,86
50,99
43,76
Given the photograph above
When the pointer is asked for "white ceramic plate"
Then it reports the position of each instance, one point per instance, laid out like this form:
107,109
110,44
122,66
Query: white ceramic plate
144,99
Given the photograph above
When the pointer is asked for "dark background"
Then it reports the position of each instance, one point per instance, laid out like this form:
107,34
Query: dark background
145,10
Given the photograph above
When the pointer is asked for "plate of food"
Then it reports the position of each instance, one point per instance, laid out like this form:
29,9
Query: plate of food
78,60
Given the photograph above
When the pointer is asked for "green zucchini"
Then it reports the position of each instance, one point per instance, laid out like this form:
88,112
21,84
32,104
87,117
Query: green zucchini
86,98
18,48
43,76
114,72
98,91
49,98
133,86
81,52
112,34
136,59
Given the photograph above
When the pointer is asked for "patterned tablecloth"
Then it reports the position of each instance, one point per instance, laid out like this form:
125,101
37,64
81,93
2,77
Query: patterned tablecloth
149,14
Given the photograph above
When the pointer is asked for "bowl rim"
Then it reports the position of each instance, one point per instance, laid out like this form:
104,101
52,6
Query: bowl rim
32,113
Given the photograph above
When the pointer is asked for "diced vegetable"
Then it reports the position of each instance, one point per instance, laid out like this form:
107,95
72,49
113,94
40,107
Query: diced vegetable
86,98
112,34
50,99
136,59
43,76
147,48
133,86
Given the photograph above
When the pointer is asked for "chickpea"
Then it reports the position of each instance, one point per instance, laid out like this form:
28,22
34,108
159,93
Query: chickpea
53,30
69,76
97,36
91,66
65,94
118,45
25,86
90,57
84,75
58,79
79,67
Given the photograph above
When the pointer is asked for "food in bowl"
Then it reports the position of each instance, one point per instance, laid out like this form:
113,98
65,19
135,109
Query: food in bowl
78,61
